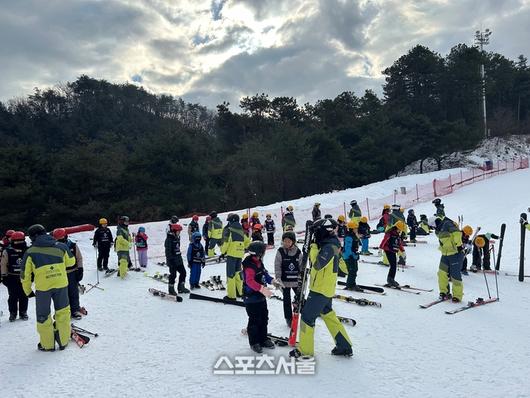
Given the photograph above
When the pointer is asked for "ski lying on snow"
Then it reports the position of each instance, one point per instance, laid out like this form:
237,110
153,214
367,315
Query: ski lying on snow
196,296
472,304
359,301
517,275
165,295
80,329
79,339
365,287
416,288
157,277
435,302
400,288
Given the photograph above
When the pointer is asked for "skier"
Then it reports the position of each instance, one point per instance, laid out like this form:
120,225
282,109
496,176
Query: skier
122,245
45,263
287,268
193,226
256,233
215,233
424,228
196,259
351,256
481,252
467,231
255,294
140,241
450,240
254,220
324,258
288,220
174,260
205,234
355,211
440,208
316,214
246,224
364,234
412,223
102,241
234,243
270,228
74,273
10,264
341,227
384,220
392,245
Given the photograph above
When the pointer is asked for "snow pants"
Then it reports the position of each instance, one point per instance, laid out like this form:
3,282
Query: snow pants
195,273
353,267
234,283
176,264
392,261
142,257
258,319
73,291
451,266
413,233
123,263
103,257
17,300
481,256
48,330
315,306
287,302
364,245
270,238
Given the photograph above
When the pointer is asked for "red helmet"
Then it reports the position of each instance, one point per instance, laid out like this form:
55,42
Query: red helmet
195,218
59,233
208,218
9,232
257,227
17,236
176,228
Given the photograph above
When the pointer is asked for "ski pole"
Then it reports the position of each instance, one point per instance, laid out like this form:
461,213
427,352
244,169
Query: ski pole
486,280
496,279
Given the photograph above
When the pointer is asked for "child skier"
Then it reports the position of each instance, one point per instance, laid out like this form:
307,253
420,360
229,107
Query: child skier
288,220
481,252
355,211
140,241
174,260
246,224
341,228
256,233
205,234
286,268
424,228
351,255
412,222
102,241
467,231
364,234
384,220
270,228
450,240
10,274
196,259
193,226
391,245
254,220
255,292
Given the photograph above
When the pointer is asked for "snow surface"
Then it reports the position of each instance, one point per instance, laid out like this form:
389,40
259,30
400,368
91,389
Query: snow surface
150,347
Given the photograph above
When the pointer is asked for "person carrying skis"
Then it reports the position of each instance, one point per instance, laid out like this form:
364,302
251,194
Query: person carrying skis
364,233
451,247
254,220
481,252
74,273
392,245
440,208
102,241
467,231
174,260
412,223
424,228
355,211
10,265
234,243
288,220
270,228
255,294
196,260
215,231
324,257
351,256
205,234
193,226
256,233
122,245
44,264
316,214
287,268
140,241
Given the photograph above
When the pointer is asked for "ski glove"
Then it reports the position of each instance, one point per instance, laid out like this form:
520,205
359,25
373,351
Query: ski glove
79,274
266,291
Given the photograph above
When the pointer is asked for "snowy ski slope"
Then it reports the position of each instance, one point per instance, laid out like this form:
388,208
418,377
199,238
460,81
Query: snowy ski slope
149,347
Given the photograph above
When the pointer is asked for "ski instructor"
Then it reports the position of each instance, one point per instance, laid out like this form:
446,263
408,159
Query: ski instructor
324,256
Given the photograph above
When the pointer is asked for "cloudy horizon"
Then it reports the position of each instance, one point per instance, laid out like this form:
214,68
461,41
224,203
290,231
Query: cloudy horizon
220,50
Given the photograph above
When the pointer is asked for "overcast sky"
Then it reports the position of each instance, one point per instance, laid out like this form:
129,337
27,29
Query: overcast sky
217,50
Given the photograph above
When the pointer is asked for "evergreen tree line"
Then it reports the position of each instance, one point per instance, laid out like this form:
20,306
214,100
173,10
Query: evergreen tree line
89,148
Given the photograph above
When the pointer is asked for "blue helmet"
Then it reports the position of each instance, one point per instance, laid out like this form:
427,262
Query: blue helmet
196,236
141,229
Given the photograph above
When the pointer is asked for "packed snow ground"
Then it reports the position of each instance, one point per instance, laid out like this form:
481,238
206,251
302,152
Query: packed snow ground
149,347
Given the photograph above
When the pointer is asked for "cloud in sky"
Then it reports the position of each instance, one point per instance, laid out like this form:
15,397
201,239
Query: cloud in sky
216,50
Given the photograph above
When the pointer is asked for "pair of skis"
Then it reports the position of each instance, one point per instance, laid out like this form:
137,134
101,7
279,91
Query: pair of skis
359,301
406,288
158,277
472,304
165,295
214,283
79,335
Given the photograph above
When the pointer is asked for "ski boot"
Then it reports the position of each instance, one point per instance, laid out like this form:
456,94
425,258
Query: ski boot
23,316
226,298
12,317
401,261
356,288
392,283
456,300
268,343
181,288
100,268
445,296
297,354
171,290
464,272
347,352
257,348
41,348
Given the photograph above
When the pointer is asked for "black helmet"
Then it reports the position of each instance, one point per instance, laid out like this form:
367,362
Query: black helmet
213,214
328,216
437,201
257,248
36,230
423,215
289,235
174,219
353,202
324,228
124,219
411,211
232,217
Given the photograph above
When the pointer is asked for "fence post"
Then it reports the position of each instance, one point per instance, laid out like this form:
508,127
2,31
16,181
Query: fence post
394,196
450,183
368,209
417,194
344,205
434,187
473,175
461,178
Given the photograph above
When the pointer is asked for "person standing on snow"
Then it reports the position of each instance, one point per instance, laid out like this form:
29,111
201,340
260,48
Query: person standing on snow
324,257
364,234
215,233
174,260
412,223
254,220
193,226
351,256
74,272
392,245
467,231
316,213
196,260
234,243
355,213
10,265
205,234
122,245
450,239
288,220
481,252
440,208
45,263
102,241
140,241
270,228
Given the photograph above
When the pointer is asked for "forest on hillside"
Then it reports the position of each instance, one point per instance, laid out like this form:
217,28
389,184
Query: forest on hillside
89,148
